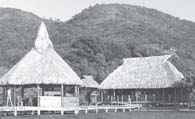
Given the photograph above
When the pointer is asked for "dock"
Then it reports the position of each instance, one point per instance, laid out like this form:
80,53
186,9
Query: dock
75,110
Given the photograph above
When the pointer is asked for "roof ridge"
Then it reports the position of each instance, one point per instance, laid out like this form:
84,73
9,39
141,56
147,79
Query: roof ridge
43,41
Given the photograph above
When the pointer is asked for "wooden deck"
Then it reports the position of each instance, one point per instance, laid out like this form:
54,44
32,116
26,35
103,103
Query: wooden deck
75,109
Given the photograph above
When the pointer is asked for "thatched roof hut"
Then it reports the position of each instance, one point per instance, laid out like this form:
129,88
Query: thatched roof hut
144,73
41,65
89,82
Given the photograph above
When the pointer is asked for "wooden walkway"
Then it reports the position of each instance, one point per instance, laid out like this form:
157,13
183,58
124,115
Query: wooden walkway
75,110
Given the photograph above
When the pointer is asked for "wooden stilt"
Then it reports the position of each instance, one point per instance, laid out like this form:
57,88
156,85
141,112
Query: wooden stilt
96,110
115,109
15,111
86,110
106,110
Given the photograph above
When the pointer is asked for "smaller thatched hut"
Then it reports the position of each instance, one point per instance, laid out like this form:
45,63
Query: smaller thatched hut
90,90
145,80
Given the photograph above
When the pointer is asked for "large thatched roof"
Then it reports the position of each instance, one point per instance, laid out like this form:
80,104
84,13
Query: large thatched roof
144,72
41,65
89,82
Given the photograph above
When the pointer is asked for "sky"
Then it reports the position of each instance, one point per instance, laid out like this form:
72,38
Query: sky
65,9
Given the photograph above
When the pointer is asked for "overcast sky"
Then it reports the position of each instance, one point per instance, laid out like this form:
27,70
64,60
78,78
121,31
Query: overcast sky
65,9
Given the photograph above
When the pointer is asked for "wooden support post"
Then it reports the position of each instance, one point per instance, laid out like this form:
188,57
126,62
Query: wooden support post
62,99
76,111
129,99
15,111
117,98
38,99
102,96
111,99
4,95
106,110
123,109
114,94
122,98
96,110
163,95
145,96
175,95
42,90
154,97
22,95
14,95
115,109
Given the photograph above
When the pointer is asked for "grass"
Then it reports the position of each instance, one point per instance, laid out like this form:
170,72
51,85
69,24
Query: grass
118,115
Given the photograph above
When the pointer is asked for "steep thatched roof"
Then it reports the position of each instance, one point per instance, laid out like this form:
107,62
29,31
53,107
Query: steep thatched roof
89,82
144,72
42,65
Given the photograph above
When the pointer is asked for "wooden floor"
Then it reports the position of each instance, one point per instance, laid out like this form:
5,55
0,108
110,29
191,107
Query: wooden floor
75,110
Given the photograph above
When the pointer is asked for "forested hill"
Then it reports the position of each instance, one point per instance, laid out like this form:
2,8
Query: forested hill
96,40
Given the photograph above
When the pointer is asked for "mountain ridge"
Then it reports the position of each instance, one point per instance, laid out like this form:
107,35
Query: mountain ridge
95,41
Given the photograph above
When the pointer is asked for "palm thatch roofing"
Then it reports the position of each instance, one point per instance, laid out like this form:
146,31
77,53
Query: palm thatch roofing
41,65
144,73
89,82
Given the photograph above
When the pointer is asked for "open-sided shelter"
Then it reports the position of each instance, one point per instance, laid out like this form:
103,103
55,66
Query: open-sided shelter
145,80
42,68
90,90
